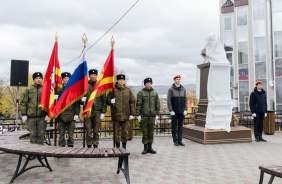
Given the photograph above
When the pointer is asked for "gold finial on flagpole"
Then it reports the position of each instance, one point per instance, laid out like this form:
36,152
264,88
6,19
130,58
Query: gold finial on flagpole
84,40
56,36
112,42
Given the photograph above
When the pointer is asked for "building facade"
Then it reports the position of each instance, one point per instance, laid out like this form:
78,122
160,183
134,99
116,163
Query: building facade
251,32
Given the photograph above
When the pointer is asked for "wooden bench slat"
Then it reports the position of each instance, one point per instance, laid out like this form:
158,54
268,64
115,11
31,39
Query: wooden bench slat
110,152
117,152
102,152
89,151
73,152
124,151
95,152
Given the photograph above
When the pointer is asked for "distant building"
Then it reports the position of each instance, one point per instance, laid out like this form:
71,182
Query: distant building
163,103
246,30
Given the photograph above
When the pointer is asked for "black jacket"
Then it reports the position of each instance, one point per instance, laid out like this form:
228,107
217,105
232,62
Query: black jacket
258,103
177,99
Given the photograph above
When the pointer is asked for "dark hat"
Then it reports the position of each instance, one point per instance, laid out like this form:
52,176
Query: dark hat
66,74
121,76
148,80
37,74
93,71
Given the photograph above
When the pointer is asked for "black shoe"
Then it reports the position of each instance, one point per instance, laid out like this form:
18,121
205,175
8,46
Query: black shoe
263,140
117,145
145,149
95,146
181,143
89,146
150,149
257,140
124,145
176,144
70,146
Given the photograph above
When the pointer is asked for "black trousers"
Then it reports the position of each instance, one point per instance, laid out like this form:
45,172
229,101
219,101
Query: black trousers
258,125
177,135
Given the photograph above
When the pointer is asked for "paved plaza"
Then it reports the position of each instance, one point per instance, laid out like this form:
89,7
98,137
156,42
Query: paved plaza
195,163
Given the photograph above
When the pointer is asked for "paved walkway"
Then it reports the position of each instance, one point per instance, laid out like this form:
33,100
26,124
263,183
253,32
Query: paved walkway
195,163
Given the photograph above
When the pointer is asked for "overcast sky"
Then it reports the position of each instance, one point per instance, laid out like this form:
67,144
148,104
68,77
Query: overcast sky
157,38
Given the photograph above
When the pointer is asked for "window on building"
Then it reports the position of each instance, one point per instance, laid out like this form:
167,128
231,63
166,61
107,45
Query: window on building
243,72
278,43
227,24
244,95
278,67
243,52
229,57
279,91
260,48
260,70
242,15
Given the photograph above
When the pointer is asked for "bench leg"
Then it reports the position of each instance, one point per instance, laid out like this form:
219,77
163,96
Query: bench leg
24,169
261,177
271,179
47,141
120,160
126,170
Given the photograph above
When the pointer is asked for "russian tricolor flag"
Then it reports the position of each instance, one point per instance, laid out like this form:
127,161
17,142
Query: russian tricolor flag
75,89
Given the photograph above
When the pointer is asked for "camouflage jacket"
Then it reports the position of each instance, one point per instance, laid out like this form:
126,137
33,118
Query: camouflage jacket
100,104
31,100
68,114
148,103
125,103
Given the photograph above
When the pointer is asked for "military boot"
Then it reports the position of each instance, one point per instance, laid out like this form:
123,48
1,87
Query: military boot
145,149
95,146
124,145
89,146
117,145
150,149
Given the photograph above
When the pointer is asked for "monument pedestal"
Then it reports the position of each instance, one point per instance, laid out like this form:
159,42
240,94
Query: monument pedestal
198,133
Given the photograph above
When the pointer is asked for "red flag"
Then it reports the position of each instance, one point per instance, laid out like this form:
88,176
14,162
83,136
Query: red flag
52,79
105,82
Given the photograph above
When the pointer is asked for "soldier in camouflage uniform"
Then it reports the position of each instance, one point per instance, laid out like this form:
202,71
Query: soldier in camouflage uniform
36,118
124,101
67,118
147,109
99,107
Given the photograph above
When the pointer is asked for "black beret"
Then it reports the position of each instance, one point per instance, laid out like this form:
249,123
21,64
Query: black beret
121,76
66,74
93,71
148,80
37,74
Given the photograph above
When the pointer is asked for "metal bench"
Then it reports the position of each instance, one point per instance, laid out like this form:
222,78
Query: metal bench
10,143
273,170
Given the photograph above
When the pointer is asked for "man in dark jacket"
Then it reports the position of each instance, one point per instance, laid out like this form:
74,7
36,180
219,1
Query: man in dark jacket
124,103
147,110
258,106
177,105
67,118
99,107
36,118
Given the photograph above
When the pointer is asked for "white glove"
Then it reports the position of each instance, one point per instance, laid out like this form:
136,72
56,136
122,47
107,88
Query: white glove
75,117
254,115
265,114
113,101
46,118
139,118
185,113
131,117
24,118
83,99
56,97
172,113
102,116
157,117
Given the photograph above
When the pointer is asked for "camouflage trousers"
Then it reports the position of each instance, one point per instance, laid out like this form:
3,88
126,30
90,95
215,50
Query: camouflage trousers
37,128
93,123
62,126
121,131
147,126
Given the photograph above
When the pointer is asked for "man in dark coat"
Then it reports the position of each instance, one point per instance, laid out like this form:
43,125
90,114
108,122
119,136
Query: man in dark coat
177,105
258,106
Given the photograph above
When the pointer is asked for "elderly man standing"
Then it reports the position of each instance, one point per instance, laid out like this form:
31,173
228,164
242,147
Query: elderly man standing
36,118
177,105
147,110
124,102
258,106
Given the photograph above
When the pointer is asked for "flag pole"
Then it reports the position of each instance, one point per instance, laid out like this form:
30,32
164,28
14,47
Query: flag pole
55,92
84,40
114,107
